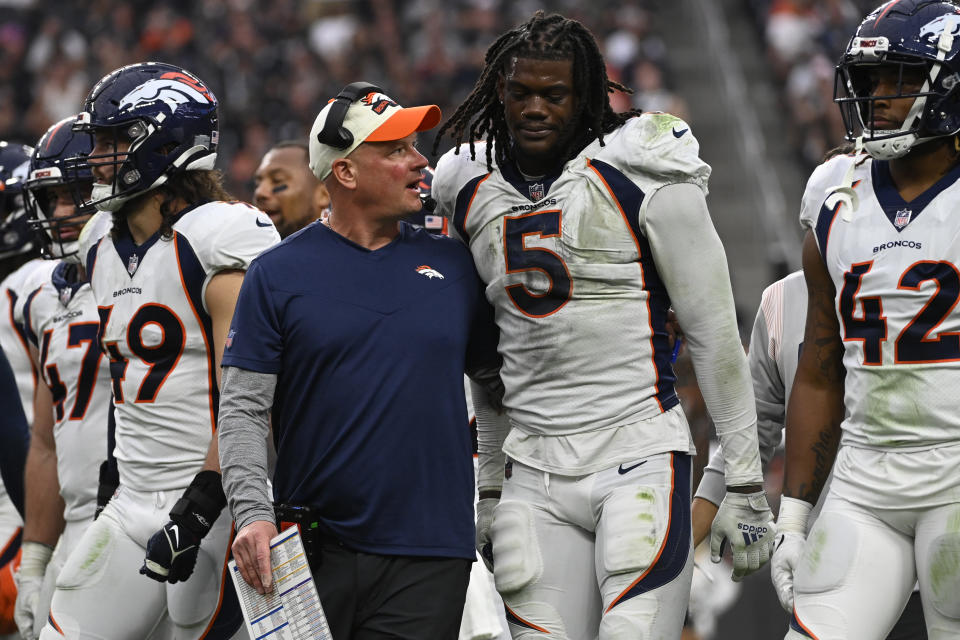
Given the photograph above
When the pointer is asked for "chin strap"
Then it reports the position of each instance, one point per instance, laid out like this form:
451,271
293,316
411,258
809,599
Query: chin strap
843,193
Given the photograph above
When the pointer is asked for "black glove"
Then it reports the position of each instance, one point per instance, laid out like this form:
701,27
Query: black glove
172,551
109,481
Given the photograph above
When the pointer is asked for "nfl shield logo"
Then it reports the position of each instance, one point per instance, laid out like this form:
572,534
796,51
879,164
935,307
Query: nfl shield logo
65,295
903,218
537,191
132,264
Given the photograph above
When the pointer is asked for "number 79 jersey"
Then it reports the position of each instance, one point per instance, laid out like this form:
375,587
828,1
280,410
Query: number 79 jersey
896,269
579,301
158,336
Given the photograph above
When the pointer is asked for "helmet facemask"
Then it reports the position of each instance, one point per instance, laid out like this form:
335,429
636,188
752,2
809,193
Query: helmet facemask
124,139
929,82
15,235
58,234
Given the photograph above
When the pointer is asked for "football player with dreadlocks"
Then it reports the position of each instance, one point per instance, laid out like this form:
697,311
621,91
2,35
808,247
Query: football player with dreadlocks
165,276
586,225
875,389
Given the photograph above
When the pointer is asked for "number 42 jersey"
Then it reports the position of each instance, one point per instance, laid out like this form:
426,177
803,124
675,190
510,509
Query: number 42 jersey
157,333
579,301
896,269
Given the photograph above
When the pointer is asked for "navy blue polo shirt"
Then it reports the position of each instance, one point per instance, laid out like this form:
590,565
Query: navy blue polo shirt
369,414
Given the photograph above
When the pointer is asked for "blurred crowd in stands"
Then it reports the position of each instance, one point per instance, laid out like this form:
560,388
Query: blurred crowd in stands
274,63
805,39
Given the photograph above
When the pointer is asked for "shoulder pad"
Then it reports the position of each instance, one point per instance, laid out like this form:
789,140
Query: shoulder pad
27,279
96,227
455,169
824,178
655,149
227,235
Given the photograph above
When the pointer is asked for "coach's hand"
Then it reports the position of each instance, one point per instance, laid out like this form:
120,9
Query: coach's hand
792,523
172,551
484,520
746,522
251,551
29,578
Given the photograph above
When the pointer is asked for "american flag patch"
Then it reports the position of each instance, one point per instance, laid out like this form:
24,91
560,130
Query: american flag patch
229,340
433,222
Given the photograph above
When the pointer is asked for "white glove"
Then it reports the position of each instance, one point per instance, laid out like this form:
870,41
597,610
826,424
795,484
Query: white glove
792,523
33,564
746,522
484,520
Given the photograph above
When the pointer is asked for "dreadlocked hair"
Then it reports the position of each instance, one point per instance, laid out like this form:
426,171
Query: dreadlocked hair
543,37
194,186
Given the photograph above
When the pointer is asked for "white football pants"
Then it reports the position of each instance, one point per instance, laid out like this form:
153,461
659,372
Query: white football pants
860,564
608,553
100,594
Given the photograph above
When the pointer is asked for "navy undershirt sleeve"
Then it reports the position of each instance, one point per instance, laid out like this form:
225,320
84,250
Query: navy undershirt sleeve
14,435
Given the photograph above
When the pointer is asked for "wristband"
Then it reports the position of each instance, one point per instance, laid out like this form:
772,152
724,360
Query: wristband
793,515
201,503
34,558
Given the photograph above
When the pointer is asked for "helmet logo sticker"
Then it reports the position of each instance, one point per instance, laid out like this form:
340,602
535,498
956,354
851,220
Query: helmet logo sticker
932,30
173,93
190,80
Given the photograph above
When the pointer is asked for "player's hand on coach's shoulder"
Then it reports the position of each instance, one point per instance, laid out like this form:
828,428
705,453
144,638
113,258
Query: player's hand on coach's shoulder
251,552
792,524
172,551
745,521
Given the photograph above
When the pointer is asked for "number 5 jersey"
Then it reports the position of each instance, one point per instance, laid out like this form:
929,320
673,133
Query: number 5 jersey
579,297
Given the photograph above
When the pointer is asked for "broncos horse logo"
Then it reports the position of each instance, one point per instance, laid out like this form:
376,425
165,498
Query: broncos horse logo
170,89
430,272
933,29
378,102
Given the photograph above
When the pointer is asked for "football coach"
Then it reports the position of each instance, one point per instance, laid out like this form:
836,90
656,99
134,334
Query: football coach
353,335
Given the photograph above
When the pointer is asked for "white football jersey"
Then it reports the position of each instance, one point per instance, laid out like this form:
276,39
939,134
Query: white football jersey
61,320
157,334
13,341
896,269
775,349
580,305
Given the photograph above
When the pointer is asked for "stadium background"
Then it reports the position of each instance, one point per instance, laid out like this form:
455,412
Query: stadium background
753,77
